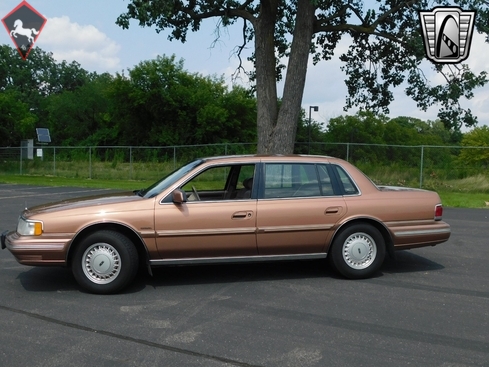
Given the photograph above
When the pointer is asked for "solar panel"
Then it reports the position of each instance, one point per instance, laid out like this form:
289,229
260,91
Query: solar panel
43,135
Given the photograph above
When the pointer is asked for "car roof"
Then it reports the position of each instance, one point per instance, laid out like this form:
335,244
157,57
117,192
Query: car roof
271,158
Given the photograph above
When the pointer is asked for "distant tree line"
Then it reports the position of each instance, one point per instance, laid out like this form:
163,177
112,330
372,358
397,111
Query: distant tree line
159,103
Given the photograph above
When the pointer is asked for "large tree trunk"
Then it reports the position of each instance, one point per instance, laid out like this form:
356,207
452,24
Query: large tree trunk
277,132
266,86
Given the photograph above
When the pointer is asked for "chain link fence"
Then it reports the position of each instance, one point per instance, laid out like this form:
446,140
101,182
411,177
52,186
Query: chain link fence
386,164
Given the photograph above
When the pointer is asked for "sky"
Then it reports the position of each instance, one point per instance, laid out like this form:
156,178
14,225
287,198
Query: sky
85,31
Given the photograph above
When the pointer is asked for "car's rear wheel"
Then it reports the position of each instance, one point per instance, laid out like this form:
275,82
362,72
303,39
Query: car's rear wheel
358,251
105,262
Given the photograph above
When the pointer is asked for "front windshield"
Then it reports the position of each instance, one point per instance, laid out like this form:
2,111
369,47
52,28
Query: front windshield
169,180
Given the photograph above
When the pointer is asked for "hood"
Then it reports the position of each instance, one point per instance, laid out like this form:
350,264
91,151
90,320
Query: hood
85,202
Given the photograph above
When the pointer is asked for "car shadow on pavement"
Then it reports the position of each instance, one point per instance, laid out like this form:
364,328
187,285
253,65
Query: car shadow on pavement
47,279
407,261
230,273
404,262
58,279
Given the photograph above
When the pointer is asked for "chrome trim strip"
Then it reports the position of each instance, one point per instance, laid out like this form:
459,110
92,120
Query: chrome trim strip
302,197
314,227
50,247
236,259
421,232
408,223
205,232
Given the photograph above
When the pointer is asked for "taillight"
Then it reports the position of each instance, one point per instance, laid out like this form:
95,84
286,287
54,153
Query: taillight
438,212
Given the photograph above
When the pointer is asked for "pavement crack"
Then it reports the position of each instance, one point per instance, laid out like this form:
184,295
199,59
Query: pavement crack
144,342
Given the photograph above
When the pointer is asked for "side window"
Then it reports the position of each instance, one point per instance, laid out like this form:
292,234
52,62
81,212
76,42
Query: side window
285,180
349,186
243,187
208,185
325,180
245,173
221,183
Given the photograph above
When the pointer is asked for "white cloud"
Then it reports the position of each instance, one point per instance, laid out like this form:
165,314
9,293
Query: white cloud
82,43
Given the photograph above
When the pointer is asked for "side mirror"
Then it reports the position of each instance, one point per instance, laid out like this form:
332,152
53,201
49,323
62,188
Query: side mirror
179,196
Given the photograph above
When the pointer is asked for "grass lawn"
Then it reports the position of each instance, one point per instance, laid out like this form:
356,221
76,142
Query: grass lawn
456,194
74,182
464,199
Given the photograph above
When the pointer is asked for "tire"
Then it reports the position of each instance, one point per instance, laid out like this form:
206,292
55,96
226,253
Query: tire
358,251
105,262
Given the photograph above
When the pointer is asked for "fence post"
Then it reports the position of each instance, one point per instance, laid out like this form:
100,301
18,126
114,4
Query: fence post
347,152
20,160
130,162
421,168
90,163
54,161
174,157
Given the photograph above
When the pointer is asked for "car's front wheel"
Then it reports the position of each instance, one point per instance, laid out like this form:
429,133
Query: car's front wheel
105,262
358,251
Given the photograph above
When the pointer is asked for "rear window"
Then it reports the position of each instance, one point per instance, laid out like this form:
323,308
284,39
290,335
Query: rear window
349,187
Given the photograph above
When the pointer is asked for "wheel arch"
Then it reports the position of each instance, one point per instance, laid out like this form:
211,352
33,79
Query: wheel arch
386,235
129,232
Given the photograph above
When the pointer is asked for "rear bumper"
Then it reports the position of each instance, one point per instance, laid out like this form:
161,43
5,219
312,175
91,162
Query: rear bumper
405,237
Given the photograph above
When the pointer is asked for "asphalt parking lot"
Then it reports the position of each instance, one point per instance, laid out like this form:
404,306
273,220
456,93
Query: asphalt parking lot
428,307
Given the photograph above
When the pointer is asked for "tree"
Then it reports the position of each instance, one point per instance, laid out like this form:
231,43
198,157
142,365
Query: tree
386,49
37,77
80,115
362,128
477,137
159,103
16,121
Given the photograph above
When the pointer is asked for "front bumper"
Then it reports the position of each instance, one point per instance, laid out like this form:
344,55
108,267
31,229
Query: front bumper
36,251
4,235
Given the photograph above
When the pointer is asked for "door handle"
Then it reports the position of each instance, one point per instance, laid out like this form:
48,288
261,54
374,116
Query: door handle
333,210
242,215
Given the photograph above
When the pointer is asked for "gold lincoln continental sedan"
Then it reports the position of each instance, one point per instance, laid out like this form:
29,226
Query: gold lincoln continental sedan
229,210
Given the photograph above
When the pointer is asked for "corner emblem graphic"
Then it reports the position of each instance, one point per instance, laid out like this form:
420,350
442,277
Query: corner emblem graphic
447,34
24,24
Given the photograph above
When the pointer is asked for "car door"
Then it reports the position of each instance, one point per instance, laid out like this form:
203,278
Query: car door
297,209
213,222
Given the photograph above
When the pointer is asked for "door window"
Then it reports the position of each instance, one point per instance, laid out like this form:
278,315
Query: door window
221,183
286,180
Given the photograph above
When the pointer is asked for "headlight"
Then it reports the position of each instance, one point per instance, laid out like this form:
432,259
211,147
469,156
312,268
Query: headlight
29,227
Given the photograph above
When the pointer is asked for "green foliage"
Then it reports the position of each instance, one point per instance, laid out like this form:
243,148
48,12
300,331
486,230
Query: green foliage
478,137
379,140
17,122
160,104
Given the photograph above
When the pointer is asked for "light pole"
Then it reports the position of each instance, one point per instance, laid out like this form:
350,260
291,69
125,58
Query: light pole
316,109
